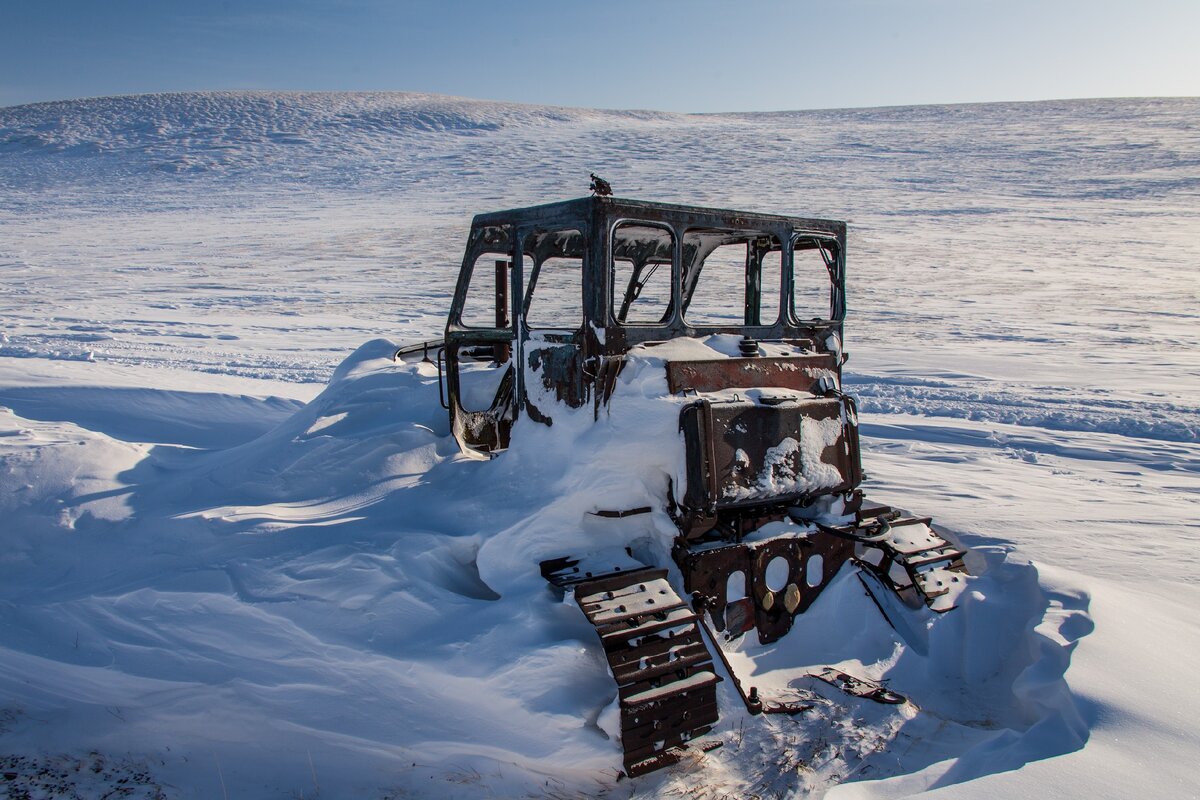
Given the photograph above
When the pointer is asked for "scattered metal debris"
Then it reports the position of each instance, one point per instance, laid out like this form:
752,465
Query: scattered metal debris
860,687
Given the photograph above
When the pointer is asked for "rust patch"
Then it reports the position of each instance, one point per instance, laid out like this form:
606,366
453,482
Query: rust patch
799,373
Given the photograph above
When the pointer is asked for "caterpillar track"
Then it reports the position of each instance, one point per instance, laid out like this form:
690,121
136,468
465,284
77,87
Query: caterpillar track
666,685
908,555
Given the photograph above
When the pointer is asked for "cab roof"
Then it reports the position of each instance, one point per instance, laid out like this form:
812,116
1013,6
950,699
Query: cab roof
583,207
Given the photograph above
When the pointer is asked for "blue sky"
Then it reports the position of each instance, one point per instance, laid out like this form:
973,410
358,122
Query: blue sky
753,55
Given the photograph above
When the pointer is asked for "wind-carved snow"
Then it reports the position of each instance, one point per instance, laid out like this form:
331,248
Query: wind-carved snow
352,557
224,551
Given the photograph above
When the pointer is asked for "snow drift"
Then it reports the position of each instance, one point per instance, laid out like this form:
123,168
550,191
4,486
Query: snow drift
347,584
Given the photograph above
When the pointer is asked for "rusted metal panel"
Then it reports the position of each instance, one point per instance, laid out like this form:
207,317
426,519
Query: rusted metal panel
558,368
707,573
777,607
799,373
502,352
742,453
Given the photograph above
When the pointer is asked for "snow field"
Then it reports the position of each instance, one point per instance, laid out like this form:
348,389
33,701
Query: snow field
229,564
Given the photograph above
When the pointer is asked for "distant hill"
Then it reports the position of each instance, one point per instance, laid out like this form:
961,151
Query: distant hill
449,154
197,132
397,139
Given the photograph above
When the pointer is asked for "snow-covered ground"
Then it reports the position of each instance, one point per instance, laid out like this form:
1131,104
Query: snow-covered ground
228,571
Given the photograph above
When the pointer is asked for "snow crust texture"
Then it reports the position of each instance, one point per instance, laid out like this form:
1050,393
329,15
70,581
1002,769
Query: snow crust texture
240,554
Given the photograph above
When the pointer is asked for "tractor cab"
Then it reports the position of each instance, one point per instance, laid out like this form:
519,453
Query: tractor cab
551,298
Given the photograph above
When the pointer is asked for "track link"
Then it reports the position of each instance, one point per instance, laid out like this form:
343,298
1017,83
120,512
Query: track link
665,680
908,555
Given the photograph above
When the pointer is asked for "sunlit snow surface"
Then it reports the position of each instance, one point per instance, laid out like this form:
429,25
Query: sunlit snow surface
205,579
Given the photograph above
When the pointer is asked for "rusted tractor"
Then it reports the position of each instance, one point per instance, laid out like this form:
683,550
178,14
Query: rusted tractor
554,301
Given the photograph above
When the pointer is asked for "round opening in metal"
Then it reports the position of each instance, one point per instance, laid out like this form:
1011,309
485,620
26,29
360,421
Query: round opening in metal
735,586
776,573
814,570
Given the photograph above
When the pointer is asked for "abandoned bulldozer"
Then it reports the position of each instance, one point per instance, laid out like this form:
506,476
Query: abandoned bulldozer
744,311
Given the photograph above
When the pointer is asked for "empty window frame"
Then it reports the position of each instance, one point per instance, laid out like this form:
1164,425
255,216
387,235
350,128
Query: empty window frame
479,381
731,278
486,302
813,261
642,273
554,279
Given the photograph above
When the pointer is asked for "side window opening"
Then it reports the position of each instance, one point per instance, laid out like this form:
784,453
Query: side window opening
719,291
642,273
554,280
479,384
770,282
812,283
731,279
486,304
482,367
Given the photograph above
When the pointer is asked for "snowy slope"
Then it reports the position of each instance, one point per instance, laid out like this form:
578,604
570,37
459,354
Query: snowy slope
209,579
